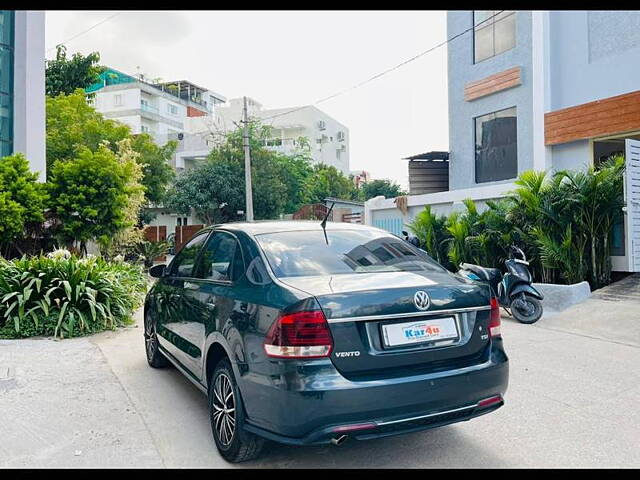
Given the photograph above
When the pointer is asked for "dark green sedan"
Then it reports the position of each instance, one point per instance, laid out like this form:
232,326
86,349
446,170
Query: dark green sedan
306,335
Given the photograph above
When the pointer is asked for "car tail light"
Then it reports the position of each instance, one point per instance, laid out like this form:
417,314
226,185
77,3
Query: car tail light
494,319
299,335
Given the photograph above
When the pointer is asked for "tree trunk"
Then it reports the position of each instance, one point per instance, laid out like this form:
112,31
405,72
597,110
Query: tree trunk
594,273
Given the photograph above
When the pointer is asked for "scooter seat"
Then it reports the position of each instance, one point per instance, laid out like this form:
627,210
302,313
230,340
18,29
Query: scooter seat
482,272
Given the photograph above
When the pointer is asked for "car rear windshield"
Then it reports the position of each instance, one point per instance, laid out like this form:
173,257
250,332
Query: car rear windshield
303,253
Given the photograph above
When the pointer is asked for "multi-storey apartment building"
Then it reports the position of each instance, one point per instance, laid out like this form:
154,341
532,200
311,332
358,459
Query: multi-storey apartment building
22,98
543,90
157,108
291,129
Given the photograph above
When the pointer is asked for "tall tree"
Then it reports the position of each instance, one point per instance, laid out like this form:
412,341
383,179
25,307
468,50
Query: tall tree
328,181
384,187
279,181
73,124
91,195
22,200
65,75
214,190
156,169
295,172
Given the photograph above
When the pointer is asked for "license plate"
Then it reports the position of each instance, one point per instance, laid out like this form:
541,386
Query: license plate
423,331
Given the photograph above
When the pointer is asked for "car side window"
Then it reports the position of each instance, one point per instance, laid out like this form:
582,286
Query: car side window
184,262
217,258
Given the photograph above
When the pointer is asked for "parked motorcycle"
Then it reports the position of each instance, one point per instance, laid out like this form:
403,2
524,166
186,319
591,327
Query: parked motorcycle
513,289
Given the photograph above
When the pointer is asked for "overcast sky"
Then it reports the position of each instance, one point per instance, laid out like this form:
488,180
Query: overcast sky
285,59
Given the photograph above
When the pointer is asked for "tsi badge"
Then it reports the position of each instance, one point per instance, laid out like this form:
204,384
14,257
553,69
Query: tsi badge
421,300
348,354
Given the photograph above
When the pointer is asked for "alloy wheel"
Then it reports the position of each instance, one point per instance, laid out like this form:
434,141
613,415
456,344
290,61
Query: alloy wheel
224,411
150,340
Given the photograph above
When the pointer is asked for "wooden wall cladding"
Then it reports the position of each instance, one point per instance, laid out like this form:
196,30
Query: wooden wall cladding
492,84
608,116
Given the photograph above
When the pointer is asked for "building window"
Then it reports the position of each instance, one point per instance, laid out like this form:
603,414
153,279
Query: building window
172,109
7,22
117,100
493,33
144,129
496,146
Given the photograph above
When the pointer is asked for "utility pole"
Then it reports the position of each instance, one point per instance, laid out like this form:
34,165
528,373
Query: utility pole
247,164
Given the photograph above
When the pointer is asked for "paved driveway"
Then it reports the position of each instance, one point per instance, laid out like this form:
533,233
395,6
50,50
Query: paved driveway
572,402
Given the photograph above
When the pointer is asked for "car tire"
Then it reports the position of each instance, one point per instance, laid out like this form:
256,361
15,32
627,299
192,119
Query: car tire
226,414
155,358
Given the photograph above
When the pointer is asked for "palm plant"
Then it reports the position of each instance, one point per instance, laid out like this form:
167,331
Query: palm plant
458,227
597,198
430,230
148,251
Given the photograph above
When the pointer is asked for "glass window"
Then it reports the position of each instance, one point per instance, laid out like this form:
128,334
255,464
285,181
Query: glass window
496,146
182,265
6,27
303,253
494,33
117,100
217,258
6,82
6,128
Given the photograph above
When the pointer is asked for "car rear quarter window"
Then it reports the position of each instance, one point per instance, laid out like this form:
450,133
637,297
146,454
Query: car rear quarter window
302,253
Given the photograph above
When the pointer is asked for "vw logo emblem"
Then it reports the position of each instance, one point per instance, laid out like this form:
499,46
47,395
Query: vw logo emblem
421,300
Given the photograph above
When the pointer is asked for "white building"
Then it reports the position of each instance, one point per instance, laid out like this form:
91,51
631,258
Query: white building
158,108
22,97
328,139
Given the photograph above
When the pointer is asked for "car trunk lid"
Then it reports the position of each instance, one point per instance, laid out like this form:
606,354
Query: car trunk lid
370,313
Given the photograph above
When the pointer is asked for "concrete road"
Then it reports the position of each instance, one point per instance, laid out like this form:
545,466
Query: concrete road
572,402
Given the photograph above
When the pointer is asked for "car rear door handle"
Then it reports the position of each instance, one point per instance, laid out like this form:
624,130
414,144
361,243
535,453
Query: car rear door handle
191,286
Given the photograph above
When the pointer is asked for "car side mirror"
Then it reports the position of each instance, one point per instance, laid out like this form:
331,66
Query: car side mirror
157,271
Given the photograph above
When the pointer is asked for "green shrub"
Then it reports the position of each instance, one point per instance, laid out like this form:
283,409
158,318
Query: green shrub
63,295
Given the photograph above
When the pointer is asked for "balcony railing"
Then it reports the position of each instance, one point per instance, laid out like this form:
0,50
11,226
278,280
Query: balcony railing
149,108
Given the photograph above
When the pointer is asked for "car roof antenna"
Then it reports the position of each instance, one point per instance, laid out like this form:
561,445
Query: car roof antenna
323,224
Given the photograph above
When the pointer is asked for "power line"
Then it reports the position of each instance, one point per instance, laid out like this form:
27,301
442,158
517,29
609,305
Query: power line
85,31
389,70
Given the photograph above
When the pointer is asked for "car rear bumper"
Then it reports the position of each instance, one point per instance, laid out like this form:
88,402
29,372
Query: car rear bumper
313,403
381,427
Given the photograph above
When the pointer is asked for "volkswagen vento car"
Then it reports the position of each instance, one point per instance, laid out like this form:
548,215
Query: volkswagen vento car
307,335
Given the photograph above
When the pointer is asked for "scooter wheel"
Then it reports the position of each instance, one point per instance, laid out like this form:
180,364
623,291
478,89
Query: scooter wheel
526,309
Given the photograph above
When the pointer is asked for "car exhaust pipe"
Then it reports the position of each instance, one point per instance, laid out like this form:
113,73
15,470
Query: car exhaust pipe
339,440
